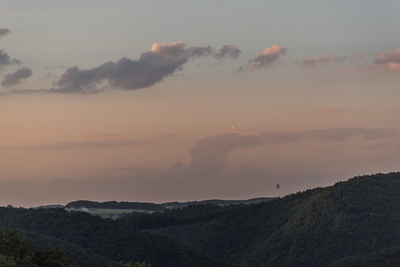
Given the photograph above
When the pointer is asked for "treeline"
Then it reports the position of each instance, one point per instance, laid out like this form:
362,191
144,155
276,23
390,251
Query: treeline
220,202
178,216
115,205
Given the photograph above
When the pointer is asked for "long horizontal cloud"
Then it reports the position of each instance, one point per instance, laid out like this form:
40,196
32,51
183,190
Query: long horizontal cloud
4,32
17,77
152,67
5,59
310,63
86,144
211,151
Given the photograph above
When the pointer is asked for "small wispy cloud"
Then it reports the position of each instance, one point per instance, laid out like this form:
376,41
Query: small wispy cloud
54,67
266,59
332,110
386,63
4,32
228,51
311,63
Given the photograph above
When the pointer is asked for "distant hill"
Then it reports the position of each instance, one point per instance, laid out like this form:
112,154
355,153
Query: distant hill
115,205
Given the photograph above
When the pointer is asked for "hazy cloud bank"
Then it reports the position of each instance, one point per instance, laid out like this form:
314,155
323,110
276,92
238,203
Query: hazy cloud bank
206,176
211,151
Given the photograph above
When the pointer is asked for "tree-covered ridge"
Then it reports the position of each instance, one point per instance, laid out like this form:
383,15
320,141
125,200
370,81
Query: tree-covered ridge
115,205
311,228
104,237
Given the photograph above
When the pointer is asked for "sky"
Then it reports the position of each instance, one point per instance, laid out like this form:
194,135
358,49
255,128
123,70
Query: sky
156,101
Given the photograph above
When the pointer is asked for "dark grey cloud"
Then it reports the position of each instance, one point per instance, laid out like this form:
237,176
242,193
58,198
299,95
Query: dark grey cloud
17,77
228,51
5,59
128,74
85,144
4,32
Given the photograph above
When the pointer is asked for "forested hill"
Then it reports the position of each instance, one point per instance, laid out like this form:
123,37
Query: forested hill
115,205
103,238
316,227
352,223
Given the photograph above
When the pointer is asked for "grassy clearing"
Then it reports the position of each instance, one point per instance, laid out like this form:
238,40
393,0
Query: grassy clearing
114,213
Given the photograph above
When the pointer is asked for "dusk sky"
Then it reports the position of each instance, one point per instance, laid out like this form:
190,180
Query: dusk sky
162,101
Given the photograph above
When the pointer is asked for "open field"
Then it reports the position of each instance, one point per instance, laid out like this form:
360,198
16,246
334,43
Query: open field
114,213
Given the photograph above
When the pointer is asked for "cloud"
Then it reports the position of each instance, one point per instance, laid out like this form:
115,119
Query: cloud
4,32
310,63
228,51
48,76
53,67
152,67
206,176
85,144
17,77
211,151
389,57
5,59
387,63
268,57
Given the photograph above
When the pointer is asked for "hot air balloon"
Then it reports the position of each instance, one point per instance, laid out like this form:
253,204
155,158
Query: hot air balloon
278,185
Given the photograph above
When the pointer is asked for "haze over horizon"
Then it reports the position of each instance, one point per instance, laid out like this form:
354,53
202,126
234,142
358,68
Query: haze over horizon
179,101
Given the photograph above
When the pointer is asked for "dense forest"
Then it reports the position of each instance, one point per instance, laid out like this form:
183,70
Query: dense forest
352,223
